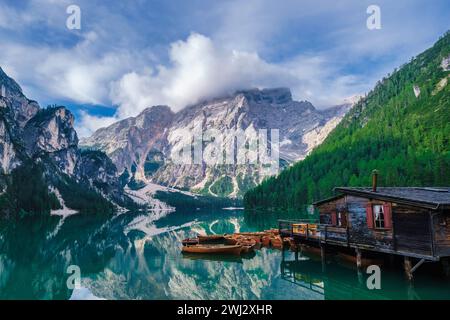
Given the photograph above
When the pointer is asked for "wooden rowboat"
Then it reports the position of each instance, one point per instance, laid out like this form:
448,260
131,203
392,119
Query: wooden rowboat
214,257
246,248
265,241
276,242
231,241
188,241
213,249
211,239
251,234
247,244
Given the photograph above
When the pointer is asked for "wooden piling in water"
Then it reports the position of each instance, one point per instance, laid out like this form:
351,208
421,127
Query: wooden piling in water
408,268
358,258
322,255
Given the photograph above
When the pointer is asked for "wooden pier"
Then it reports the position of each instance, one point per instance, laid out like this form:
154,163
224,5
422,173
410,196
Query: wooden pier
410,222
325,234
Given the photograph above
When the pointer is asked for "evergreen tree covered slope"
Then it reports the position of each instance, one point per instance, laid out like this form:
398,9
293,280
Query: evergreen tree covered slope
403,136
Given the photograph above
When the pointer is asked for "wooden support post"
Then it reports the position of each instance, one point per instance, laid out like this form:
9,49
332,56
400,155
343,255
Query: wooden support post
358,266
358,258
408,268
412,295
360,278
322,255
322,252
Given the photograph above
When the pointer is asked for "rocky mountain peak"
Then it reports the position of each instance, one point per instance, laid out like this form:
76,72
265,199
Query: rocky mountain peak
50,130
156,109
155,113
270,96
8,85
45,138
11,94
143,145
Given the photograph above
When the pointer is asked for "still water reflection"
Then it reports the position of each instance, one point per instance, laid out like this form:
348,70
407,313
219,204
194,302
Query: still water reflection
137,256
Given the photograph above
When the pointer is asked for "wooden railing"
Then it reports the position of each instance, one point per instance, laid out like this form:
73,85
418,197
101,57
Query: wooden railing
312,230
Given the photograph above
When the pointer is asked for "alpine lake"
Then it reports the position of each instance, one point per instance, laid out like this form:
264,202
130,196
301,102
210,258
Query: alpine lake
138,256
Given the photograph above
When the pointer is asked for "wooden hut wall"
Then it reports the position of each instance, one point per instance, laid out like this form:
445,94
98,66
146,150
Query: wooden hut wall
412,229
441,222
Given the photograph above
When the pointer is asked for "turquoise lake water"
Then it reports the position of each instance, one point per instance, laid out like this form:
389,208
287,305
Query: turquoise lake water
137,256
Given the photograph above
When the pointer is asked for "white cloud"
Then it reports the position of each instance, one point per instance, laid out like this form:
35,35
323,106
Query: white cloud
77,74
87,123
113,61
201,69
198,69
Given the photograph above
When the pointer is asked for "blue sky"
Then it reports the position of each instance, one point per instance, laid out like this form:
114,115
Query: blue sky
130,55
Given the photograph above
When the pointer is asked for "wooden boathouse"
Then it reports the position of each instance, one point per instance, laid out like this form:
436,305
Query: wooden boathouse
410,222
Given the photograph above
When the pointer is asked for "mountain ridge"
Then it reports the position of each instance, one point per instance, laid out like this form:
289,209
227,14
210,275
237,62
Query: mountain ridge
144,157
40,161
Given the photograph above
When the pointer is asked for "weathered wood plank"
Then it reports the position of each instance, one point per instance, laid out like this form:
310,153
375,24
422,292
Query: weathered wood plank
412,229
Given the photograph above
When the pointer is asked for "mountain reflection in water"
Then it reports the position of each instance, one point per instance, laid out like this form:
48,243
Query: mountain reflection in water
138,256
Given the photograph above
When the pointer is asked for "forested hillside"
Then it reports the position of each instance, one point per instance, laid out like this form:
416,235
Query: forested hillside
395,129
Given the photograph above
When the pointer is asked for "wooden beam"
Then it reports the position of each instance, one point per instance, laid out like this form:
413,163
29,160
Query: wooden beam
348,235
358,258
322,256
432,232
408,268
322,251
418,264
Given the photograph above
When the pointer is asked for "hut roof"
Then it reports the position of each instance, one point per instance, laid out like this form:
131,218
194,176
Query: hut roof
427,197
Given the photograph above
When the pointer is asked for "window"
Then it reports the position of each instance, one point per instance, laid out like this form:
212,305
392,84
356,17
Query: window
341,219
378,216
335,218
325,218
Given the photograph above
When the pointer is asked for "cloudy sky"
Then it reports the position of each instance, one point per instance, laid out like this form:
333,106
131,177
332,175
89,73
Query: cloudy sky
129,55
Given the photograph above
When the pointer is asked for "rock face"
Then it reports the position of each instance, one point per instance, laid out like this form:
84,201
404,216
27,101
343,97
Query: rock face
146,147
15,111
8,154
29,134
22,109
416,89
445,64
51,132
95,169
128,142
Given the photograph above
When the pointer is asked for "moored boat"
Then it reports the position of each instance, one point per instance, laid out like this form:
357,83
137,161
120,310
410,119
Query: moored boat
211,238
276,242
189,241
231,241
246,249
214,257
248,244
265,241
213,249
